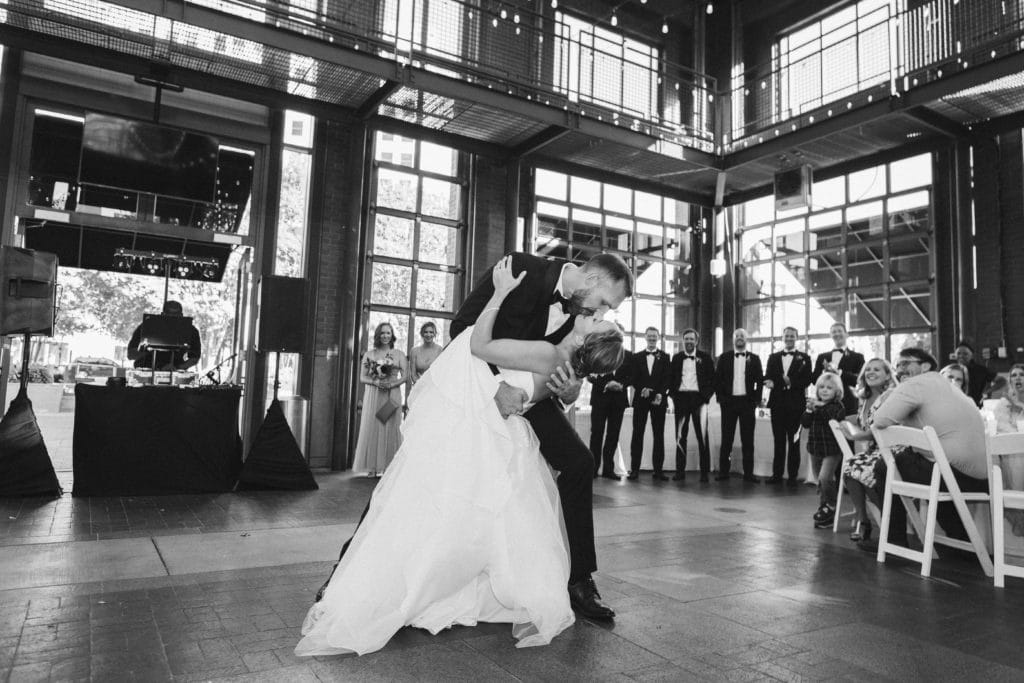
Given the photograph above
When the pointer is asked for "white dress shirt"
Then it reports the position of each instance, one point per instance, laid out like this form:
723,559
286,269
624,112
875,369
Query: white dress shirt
787,361
650,362
689,382
739,376
556,316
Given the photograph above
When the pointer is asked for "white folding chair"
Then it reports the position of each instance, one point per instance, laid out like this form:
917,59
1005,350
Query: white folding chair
1000,447
925,441
844,447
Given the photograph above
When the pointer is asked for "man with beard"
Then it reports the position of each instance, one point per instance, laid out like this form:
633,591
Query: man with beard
978,376
693,384
738,378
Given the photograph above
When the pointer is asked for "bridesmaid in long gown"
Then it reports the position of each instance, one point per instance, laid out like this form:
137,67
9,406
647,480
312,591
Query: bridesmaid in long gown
383,370
426,353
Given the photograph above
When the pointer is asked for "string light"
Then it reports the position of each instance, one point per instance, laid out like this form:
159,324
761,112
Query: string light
710,9
664,26
504,13
554,4
615,19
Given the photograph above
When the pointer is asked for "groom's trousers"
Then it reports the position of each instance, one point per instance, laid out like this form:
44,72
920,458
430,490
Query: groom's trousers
562,447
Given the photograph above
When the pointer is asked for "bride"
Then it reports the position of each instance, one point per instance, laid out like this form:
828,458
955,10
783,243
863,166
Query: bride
465,526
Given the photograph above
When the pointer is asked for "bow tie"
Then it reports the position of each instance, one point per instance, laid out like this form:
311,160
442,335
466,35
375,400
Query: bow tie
788,353
691,356
651,353
842,351
741,354
557,298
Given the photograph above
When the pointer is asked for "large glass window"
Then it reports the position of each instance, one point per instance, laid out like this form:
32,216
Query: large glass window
415,239
577,218
862,254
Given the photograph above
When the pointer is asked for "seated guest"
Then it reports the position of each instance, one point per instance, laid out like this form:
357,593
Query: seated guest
166,360
925,398
957,375
1009,414
861,474
980,376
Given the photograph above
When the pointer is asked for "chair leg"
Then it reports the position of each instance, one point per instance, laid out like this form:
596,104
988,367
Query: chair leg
975,537
929,537
839,495
998,542
883,526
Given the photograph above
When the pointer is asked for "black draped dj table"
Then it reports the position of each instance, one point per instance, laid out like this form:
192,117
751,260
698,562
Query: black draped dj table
155,440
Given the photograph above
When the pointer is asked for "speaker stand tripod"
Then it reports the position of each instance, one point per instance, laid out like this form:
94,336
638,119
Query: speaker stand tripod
25,465
275,460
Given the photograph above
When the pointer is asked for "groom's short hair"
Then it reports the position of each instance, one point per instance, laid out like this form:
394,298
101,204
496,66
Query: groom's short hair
614,269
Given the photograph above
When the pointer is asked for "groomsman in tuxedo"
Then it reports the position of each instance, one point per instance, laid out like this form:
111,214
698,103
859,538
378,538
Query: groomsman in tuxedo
843,362
650,378
693,384
788,374
607,405
738,378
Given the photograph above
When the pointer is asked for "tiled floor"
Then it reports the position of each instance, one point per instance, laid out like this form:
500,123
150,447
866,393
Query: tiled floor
710,582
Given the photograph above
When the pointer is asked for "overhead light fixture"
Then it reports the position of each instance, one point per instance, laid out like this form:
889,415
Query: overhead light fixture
710,9
615,20
664,26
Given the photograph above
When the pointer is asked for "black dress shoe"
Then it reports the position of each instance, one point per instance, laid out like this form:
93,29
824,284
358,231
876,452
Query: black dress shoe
703,478
793,481
774,480
585,599
323,588
610,475
658,476
751,479
679,476
722,477
633,476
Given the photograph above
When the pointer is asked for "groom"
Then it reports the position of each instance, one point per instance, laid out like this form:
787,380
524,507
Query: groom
544,307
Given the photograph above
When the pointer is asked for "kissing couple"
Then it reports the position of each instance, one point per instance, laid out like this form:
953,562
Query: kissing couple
468,524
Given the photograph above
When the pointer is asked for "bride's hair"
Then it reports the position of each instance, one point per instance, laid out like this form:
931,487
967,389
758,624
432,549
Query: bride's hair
600,353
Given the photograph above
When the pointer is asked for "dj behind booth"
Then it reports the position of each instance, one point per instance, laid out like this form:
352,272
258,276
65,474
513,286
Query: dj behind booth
163,436
156,331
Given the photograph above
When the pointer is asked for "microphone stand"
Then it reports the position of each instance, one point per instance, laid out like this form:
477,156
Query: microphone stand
216,368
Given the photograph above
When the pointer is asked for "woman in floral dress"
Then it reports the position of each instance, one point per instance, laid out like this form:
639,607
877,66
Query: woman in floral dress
383,370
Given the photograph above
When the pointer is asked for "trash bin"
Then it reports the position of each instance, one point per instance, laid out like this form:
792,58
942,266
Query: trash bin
296,412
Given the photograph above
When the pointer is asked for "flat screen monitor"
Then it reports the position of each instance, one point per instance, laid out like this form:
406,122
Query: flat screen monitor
146,157
165,331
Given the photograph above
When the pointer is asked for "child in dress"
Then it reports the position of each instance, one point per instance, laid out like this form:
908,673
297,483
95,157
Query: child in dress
821,444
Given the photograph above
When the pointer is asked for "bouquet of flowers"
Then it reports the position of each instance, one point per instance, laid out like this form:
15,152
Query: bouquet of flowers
382,369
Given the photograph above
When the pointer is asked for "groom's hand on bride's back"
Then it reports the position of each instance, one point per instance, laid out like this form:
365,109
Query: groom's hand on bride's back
564,384
509,400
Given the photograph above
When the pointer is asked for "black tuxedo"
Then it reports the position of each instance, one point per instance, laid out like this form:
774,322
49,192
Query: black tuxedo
524,315
689,407
849,370
738,408
787,402
657,379
607,408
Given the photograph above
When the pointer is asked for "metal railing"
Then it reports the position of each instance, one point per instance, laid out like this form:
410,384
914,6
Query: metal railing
876,55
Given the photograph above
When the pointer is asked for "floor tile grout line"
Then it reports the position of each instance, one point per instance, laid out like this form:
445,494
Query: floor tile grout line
160,555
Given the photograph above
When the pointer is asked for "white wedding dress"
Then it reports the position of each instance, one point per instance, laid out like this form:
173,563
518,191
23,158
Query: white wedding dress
465,526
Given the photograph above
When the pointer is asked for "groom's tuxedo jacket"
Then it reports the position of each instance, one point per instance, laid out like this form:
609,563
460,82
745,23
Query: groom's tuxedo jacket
524,313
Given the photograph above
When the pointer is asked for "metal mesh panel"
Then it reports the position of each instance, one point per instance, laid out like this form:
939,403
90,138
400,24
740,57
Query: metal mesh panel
850,53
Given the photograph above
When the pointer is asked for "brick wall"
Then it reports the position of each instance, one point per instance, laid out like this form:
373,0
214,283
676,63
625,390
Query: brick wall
999,217
337,159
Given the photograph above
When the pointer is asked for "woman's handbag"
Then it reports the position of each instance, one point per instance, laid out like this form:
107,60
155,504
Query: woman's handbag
386,410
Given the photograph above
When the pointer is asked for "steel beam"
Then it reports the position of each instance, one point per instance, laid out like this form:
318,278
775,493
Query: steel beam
538,141
937,122
369,107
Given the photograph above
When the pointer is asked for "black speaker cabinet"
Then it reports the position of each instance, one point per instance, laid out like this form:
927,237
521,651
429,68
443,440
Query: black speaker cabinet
793,188
282,314
28,282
